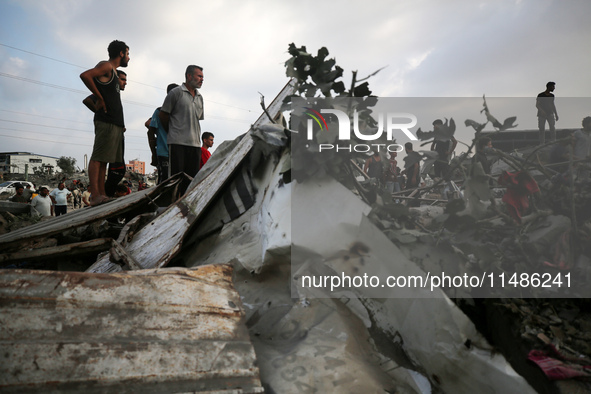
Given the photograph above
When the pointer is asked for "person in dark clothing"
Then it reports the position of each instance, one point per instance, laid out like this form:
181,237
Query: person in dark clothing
374,167
444,149
480,155
546,112
411,166
19,197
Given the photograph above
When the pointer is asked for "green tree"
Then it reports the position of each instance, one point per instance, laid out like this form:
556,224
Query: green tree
67,164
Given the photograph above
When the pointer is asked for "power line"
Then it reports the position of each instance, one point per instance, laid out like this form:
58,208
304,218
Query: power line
43,116
70,64
41,83
86,92
36,54
33,81
89,134
41,125
54,127
37,139
131,80
127,143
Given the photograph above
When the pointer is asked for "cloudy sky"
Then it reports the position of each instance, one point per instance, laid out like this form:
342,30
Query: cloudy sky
452,48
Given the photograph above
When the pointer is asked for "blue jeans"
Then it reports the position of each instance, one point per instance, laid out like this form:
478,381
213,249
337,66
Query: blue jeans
393,187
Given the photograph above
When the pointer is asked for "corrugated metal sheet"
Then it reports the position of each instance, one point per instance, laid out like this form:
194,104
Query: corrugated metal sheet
149,331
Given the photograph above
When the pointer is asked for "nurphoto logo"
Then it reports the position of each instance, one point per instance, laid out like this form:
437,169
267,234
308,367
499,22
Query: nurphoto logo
388,123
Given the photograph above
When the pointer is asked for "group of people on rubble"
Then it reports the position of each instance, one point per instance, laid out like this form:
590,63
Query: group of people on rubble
174,131
392,179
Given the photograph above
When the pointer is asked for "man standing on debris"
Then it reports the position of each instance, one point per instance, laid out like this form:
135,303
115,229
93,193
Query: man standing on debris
391,174
157,133
480,155
60,197
374,167
547,112
180,114
42,202
444,150
411,166
582,148
207,140
103,82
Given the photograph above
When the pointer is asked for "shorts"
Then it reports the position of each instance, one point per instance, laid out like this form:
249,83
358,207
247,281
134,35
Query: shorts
108,143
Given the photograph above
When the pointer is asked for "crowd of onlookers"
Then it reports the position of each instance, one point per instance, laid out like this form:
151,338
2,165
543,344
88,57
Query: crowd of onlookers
59,200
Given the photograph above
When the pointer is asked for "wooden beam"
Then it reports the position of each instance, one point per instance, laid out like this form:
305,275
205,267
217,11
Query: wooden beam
95,245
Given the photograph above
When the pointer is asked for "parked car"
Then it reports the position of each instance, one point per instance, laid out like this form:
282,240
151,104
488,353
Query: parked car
8,186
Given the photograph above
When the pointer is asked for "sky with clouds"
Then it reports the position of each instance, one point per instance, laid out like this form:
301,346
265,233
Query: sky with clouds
452,48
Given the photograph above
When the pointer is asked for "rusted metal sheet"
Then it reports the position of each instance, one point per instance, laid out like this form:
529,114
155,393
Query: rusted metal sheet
155,244
149,331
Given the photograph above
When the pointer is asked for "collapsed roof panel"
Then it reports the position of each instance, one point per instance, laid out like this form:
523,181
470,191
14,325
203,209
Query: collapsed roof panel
159,241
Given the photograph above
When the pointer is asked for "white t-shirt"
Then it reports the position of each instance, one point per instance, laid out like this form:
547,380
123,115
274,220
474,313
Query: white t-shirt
61,196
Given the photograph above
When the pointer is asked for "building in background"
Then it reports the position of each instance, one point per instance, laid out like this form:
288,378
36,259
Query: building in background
136,166
21,162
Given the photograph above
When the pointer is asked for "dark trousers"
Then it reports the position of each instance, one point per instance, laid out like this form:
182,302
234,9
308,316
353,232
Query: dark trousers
162,169
60,210
114,176
542,127
185,159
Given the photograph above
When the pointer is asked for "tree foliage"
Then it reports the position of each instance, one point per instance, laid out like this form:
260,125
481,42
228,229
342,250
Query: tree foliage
317,74
319,80
67,164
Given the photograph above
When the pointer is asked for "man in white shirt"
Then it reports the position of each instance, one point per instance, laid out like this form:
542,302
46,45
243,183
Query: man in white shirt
60,197
42,202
